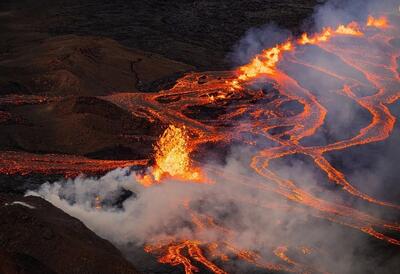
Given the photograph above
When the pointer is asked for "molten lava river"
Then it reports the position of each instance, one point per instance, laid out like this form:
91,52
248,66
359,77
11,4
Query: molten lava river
277,108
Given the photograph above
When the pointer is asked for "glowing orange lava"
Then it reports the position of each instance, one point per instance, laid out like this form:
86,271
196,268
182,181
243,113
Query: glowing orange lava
303,125
173,149
320,37
174,256
172,158
264,63
351,29
380,22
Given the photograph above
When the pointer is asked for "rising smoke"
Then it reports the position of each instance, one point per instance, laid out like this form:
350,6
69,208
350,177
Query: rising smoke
257,217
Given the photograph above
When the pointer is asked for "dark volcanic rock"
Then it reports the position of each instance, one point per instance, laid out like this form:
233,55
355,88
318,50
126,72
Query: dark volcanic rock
75,65
43,53
44,239
20,184
18,263
79,125
200,33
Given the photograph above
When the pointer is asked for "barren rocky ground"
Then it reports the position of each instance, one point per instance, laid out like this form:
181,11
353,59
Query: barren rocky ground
198,33
56,58
70,51
66,67
36,237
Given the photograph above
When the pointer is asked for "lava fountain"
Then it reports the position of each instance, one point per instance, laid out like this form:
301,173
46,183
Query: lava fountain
212,241
172,158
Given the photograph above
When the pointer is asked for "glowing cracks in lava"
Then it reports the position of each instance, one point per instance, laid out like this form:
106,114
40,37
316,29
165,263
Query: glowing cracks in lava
173,256
172,158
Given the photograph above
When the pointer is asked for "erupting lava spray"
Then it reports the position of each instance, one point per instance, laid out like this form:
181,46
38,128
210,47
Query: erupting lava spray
266,63
366,61
172,158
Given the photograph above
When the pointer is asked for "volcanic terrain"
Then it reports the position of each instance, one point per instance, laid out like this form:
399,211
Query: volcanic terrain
156,126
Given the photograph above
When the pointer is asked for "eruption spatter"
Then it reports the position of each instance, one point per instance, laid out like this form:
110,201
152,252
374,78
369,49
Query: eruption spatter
172,158
306,124
249,110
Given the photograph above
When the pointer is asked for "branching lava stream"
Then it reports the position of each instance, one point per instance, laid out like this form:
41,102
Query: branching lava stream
302,125
245,109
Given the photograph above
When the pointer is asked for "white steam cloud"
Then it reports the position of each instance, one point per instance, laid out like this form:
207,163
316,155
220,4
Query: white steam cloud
259,219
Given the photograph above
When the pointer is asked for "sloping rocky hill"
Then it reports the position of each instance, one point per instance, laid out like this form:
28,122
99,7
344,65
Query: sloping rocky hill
36,237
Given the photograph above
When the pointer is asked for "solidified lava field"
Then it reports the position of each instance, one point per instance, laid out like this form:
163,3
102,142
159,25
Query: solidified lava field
281,160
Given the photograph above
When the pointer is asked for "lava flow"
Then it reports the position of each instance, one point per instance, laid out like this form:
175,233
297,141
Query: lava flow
265,63
222,108
300,126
